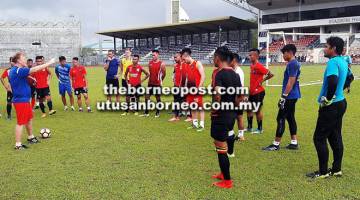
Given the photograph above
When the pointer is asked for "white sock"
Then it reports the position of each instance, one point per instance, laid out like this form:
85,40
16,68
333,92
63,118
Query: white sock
276,143
202,124
72,107
31,137
195,122
18,144
241,133
293,142
231,133
89,108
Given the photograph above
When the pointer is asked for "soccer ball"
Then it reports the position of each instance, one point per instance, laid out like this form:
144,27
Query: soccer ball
45,133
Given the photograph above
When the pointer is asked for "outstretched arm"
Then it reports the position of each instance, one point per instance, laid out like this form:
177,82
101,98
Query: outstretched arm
41,67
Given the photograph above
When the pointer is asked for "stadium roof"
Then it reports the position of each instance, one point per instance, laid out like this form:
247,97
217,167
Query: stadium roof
191,27
273,4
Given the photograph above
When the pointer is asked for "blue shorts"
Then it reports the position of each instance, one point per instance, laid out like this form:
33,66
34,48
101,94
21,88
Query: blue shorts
65,88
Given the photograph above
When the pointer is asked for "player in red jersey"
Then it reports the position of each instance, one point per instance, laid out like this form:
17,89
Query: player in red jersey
133,79
177,76
42,86
258,75
195,77
184,67
9,95
157,72
79,83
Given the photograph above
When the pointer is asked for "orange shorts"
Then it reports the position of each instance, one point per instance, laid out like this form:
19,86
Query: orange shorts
23,113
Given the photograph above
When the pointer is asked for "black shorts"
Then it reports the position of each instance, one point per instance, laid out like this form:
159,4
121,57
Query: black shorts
113,82
43,92
155,90
33,91
9,96
220,127
257,98
136,95
79,91
124,83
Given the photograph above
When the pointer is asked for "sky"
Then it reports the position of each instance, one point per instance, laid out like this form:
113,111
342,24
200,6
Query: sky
114,14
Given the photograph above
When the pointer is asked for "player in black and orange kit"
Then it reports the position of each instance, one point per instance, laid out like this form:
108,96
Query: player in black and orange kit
177,83
157,72
7,87
133,79
222,121
195,77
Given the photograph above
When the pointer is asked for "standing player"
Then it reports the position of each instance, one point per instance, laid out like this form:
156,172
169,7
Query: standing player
177,83
124,64
32,83
43,77
235,64
222,121
332,109
9,94
258,75
133,79
184,67
195,77
290,95
21,100
111,67
62,73
157,72
79,83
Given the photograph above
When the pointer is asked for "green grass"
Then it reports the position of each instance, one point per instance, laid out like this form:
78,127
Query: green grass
105,156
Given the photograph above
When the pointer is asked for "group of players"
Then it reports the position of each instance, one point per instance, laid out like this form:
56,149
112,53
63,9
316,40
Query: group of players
24,91
228,73
189,72
331,100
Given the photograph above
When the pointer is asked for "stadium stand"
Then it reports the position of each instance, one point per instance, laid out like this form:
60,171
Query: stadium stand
203,37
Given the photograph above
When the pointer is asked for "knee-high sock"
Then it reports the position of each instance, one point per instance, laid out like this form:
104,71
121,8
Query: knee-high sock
42,107
50,105
250,122
230,142
224,165
8,109
259,122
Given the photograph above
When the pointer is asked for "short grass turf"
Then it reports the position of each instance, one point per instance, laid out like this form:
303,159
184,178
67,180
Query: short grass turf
103,155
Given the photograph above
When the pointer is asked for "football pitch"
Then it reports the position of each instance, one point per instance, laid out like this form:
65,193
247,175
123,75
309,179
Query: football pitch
103,155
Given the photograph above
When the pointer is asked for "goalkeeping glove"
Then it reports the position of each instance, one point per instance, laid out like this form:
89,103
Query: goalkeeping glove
281,103
325,102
